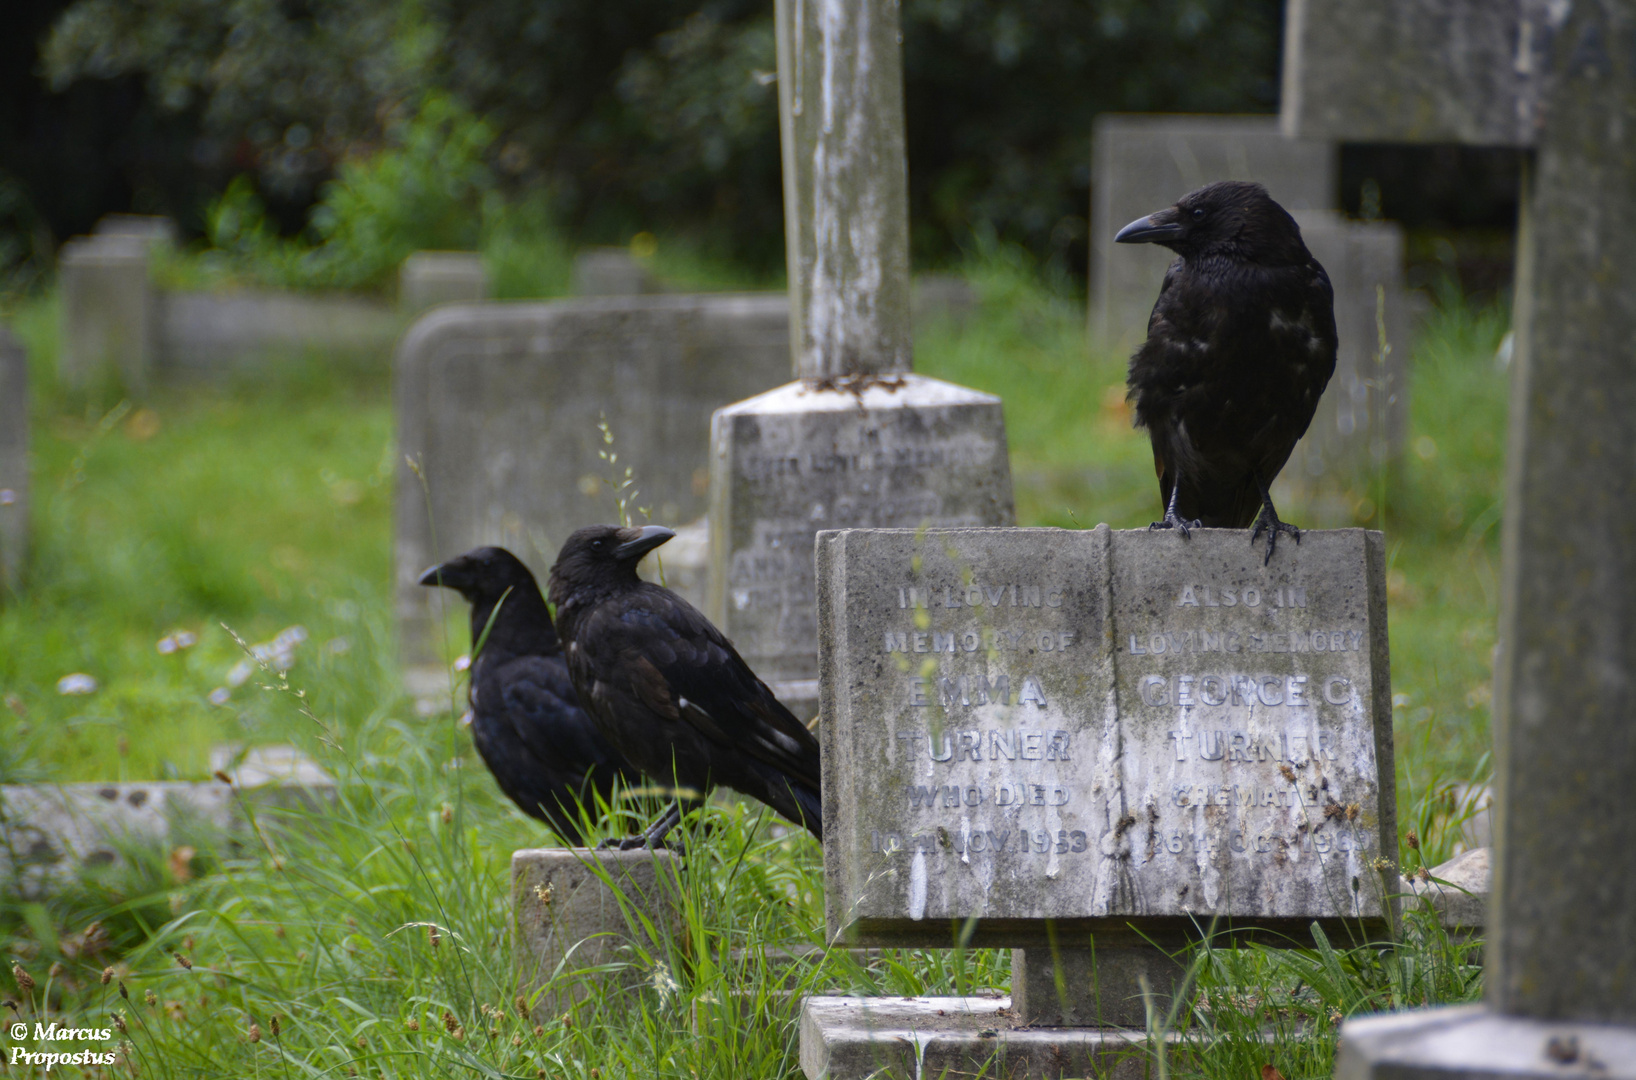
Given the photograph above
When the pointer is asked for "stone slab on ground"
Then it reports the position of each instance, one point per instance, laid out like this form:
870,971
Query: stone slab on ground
108,317
1144,162
1471,1043
892,451
14,461
1116,731
1459,892
429,278
853,1038
498,404
580,908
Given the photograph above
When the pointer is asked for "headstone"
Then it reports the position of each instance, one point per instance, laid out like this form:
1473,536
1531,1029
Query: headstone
1091,743
1561,948
1363,417
155,229
14,463
612,271
429,278
942,298
498,405
858,440
579,909
208,335
1457,891
1144,162
108,319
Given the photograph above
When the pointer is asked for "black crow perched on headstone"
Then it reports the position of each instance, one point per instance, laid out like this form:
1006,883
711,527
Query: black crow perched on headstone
544,751
668,689
1240,346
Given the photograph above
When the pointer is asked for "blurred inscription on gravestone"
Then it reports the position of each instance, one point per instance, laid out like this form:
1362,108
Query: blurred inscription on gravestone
14,468
1122,732
429,278
498,403
1144,162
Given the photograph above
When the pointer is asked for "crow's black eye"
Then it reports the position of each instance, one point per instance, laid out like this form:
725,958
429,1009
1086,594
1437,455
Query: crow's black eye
1198,213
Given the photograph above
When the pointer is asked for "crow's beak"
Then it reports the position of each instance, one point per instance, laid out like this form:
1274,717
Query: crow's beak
636,543
1156,228
445,574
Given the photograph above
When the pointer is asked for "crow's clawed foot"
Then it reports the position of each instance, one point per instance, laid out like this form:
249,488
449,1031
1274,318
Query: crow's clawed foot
1267,521
1171,521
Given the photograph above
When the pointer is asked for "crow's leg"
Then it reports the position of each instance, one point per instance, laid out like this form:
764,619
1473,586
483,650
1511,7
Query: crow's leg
1171,521
1268,520
654,835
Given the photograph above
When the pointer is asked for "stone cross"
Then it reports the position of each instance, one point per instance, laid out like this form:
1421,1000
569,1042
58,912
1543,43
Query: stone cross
1559,77
858,439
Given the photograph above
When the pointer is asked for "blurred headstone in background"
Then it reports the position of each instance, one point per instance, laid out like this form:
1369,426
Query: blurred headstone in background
206,335
1363,416
156,230
13,461
430,278
1145,162
108,311
941,298
498,406
612,271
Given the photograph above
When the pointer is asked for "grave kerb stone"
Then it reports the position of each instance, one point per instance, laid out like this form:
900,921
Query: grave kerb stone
14,462
1145,162
1561,951
498,405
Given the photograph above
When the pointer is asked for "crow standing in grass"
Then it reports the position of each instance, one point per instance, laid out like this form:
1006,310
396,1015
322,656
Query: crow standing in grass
544,752
1239,348
668,689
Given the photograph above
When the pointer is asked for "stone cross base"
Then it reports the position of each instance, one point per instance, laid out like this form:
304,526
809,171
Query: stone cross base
581,908
850,1038
1472,1043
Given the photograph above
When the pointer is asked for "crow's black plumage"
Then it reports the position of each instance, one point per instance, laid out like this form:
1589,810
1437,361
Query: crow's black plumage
1240,346
544,751
668,689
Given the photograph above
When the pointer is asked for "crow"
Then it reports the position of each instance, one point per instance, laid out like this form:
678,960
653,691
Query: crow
668,689
1240,346
530,730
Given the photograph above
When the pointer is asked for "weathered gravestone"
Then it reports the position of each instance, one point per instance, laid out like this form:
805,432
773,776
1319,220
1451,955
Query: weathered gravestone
429,278
1093,746
14,466
108,311
1561,950
612,271
1144,162
208,335
858,440
498,403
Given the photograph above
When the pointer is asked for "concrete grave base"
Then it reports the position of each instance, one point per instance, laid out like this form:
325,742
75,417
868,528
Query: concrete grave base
575,909
843,1038
1472,1043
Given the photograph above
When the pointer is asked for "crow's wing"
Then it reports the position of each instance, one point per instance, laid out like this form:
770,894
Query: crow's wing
656,649
544,713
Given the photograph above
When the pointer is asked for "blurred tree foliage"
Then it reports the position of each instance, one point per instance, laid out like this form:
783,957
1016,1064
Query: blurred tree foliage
662,114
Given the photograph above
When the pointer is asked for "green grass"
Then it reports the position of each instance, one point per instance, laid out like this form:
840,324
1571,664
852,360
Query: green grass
266,505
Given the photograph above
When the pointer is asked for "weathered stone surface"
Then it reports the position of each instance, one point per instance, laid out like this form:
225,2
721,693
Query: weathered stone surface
579,908
902,451
1562,944
1458,892
846,185
153,228
202,335
854,1038
1418,71
1145,162
942,298
1363,416
1116,731
108,317
1097,987
611,271
53,829
1472,1043
14,465
429,278
498,404
682,565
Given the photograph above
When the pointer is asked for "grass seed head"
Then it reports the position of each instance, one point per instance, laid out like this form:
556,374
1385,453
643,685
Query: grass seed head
450,1023
411,1024
273,1023
183,962
119,1021
150,997
432,935
124,993
1413,840
255,1032
108,977
446,813
25,981
522,1007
